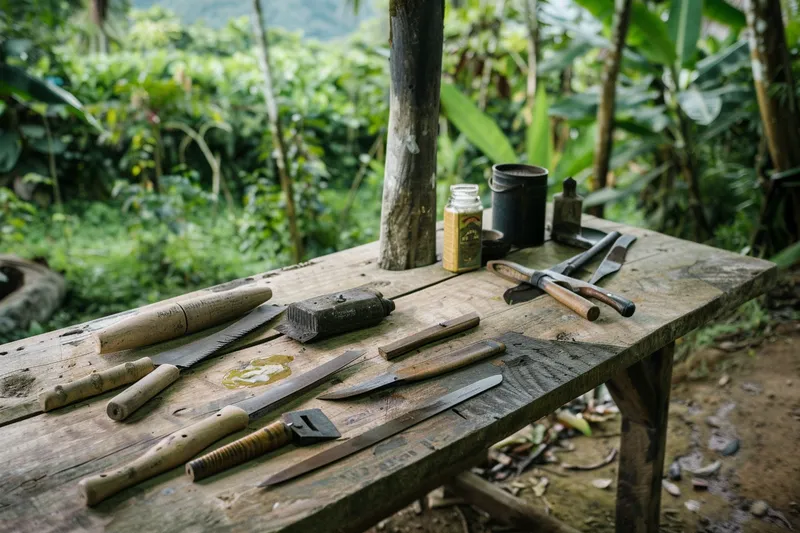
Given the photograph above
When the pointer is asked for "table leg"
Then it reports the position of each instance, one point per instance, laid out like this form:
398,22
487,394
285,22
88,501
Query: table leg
642,395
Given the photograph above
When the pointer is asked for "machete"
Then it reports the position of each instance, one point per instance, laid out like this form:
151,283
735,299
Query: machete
375,435
433,367
613,261
568,291
526,292
184,444
153,374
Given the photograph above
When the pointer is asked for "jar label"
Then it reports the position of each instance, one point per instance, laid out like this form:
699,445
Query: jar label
462,241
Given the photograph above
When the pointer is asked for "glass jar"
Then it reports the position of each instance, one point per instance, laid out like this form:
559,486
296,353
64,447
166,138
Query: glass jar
463,223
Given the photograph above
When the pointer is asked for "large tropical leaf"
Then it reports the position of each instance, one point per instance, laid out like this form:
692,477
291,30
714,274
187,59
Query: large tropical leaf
578,154
789,257
710,68
538,141
685,19
15,81
476,126
702,107
647,31
721,11
563,58
608,195
10,148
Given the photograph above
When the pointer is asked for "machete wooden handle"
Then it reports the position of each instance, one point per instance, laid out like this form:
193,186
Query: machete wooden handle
620,304
510,271
451,361
258,443
170,452
126,402
580,305
95,384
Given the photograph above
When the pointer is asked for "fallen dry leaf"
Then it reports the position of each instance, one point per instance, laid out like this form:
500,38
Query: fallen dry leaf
671,487
541,487
708,470
574,421
692,505
610,457
601,483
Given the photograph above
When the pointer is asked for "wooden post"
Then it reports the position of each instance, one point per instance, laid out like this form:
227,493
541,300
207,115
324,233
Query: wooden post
772,75
276,130
408,213
608,97
642,395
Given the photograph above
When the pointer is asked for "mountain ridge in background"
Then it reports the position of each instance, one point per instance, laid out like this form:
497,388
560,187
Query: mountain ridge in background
319,19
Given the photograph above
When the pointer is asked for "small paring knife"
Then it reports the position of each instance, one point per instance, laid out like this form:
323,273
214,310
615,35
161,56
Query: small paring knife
302,428
151,375
614,259
433,367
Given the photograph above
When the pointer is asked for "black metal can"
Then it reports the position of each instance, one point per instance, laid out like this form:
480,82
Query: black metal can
519,202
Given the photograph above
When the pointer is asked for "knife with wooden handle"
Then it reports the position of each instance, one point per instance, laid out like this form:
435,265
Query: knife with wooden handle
428,369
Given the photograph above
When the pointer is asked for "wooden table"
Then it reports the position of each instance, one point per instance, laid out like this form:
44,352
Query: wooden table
553,356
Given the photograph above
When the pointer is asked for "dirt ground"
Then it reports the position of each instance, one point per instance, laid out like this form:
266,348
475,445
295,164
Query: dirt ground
744,412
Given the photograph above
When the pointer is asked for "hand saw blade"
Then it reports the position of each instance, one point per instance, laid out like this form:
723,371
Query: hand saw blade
189,354
384,431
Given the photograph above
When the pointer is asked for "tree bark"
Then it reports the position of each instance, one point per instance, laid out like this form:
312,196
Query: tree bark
277,132
777,102
608,96
99,10
532,24
408,213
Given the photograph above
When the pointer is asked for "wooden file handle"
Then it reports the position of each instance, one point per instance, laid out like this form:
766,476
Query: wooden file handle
126,402
620,304
510,271
440,331
451,361
258,443
580,305
95,384
170,452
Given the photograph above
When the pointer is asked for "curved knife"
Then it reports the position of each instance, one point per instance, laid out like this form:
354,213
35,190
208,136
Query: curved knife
433,367
614,259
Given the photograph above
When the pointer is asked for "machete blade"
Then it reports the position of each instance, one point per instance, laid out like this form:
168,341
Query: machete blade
384,431
189,354
613,261
370,385
287,390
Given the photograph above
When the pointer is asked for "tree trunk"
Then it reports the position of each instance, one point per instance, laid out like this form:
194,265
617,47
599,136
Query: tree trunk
532,24
605,113
408,213
99,10
775,90
277,132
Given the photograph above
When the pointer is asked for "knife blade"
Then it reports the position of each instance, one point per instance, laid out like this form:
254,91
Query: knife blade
524,292
375,435
433,367
151,380
614,259
182,445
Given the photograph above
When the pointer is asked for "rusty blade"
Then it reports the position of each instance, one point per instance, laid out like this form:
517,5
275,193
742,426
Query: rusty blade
370,385
375,435
613,261
288,390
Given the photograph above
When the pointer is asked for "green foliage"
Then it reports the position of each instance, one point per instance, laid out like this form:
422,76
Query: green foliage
538,141
685,19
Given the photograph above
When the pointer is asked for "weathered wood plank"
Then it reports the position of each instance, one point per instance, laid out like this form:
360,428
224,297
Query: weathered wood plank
676,285
642,394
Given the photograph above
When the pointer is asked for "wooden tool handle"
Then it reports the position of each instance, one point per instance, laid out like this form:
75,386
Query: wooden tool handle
170,452
580,305
95,383
620,304
510,271
126,402
428,335
258,443
451,361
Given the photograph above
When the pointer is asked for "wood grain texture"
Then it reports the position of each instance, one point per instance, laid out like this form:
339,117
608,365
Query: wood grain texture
126,402
440,331
676,285
642,394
